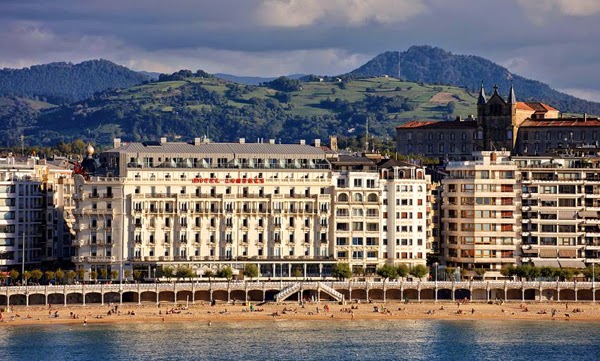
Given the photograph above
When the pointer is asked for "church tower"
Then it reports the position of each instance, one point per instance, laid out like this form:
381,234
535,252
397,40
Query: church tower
496,118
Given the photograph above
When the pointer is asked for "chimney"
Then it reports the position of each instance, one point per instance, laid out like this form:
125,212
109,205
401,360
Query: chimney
117,142
458,118
271,141
242,140
302,142
197,141
317,143
163,140
585,117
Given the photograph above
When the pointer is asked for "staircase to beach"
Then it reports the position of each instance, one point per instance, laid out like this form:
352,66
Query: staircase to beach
330,291
287,292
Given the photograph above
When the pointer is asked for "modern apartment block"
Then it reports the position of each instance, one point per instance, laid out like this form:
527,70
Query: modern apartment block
28,211
285,207
481,217
561,205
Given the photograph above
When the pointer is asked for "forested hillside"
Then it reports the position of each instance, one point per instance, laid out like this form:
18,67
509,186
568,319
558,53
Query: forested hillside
60,83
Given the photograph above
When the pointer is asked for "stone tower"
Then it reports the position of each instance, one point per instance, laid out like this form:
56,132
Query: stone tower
496,120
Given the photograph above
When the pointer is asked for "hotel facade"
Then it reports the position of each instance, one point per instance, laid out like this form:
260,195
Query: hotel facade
292,209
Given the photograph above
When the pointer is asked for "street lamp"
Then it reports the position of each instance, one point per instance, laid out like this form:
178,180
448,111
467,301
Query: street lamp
436,280
154,272
23,261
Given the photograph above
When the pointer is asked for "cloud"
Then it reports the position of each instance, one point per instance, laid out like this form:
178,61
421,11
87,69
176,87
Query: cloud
588,94
298,13
540,10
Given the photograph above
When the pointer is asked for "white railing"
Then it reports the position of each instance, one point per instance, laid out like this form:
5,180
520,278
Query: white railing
335,294
287,292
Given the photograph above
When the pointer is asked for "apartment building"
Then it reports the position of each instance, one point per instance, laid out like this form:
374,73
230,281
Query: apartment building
21,213
285,207
481,217
561,204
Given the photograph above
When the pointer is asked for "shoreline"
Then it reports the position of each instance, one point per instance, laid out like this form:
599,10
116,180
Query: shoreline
229,313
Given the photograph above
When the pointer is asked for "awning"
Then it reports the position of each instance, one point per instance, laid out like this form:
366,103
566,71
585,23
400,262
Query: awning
546,263
547,253
567,253
572,263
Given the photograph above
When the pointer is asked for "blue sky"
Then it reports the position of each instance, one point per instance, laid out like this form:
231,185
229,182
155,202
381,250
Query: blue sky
553,41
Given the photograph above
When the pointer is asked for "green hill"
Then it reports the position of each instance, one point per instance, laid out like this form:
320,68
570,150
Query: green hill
284,109
430,65
66,82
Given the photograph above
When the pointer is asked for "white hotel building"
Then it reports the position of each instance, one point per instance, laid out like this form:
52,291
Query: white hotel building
292,209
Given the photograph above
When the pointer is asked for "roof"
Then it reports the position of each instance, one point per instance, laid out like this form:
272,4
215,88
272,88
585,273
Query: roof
238,149
535,106
439,124
352,159
562,122
389,163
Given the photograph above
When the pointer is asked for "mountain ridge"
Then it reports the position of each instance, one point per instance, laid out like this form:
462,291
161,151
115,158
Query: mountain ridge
434,65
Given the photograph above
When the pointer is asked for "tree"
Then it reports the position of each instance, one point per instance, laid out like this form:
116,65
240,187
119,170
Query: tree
226,272
184,272
419,271
71,276
137,274
80,273
508,271
14,275
450,272
402,270
60,275
590,273
567,274
103,273
450,107
251,271
94,276
296,272
2,278
168,271
209,274
114,274
358,271
341,271
127,274
27,276
49,276
386,271
480,272
35,275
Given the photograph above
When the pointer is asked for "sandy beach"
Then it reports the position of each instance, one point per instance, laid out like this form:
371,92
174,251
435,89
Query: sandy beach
130,313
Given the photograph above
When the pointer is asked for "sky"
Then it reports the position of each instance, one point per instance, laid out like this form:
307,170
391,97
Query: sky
553,41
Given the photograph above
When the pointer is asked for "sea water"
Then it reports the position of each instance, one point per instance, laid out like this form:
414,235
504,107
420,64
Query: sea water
306,340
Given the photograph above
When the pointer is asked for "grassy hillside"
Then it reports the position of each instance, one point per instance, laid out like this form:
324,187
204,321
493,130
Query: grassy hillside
226,111
426,64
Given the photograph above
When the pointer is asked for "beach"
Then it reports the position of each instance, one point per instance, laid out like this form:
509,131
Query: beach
239,312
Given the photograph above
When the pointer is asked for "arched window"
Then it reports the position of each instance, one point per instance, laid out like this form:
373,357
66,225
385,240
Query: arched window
372,197
358,197
343,197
